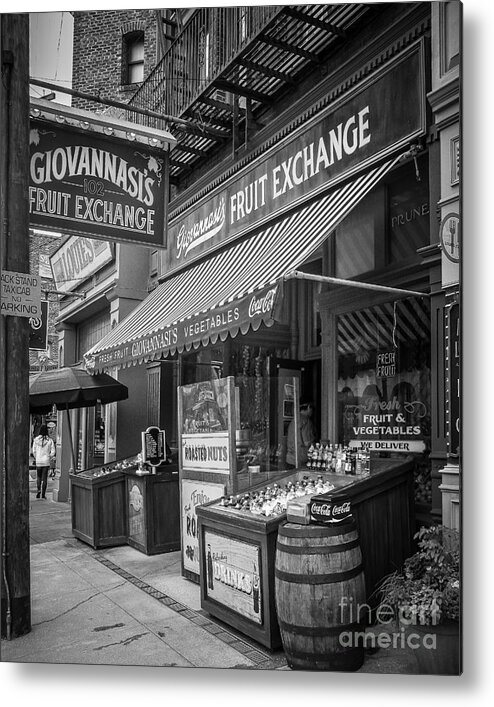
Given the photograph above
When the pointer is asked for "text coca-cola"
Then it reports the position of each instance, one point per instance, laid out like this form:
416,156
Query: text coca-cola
329,510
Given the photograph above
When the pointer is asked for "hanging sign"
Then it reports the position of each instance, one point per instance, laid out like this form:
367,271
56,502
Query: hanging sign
20,294
38,329
386,363
153,446
77,259
83,183
450,237
44,266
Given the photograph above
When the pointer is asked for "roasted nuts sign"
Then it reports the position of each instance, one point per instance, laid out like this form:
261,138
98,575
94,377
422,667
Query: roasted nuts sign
209,453
85,184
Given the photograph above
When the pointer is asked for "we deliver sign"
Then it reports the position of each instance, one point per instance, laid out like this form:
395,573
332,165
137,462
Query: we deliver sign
20,294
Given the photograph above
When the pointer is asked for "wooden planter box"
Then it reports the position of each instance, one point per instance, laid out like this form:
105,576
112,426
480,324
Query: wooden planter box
153,511
99,509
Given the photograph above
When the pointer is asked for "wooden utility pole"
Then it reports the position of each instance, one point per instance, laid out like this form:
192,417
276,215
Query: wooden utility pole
14,331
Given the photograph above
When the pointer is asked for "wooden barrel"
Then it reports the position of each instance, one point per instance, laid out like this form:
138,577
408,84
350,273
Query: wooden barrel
319,583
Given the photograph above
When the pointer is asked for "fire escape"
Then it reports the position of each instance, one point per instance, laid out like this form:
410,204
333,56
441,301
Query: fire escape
227,67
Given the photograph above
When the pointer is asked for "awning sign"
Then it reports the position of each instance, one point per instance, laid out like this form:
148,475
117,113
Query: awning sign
20,294
231,318
82,183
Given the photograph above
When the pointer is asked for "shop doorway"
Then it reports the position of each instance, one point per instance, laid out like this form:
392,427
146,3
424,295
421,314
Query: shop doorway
281,372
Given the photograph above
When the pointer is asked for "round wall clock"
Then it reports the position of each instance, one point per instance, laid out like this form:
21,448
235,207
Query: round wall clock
450,237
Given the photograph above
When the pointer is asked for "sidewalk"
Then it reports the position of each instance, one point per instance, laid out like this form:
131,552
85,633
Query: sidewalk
118,606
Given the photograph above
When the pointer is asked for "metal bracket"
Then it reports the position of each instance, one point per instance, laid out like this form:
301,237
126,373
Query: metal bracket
298,275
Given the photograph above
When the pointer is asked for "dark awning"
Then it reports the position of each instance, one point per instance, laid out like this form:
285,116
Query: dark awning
233,290
72,387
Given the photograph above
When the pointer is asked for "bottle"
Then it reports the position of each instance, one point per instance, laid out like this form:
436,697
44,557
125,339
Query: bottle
209,563
367,460
338,460
349,462
255,590
333,459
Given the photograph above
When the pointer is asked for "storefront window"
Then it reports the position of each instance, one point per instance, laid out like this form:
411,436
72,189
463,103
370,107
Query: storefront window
384,390
99,431
356,237
265,406
408,218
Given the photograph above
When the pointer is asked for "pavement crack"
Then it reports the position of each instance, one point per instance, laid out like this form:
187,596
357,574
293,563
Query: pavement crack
64,613
123,642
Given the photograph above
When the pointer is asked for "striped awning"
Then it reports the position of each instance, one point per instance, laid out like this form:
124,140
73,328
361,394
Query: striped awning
233,290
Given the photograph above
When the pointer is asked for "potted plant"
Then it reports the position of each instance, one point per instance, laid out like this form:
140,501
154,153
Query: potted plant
423,599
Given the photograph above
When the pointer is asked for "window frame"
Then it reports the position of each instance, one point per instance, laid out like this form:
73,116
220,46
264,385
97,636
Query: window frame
129,40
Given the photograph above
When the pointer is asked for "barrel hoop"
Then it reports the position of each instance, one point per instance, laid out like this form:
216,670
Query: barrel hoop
315,657
318,578
318,631
316,531
317,549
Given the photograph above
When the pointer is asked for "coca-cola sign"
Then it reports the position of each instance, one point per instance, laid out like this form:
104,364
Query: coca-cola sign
263,304
327,509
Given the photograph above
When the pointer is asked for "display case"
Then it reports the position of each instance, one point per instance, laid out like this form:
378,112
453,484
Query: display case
153,510
98,502
224,446
237,547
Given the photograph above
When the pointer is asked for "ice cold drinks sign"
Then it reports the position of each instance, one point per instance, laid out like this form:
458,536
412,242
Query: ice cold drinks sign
232,575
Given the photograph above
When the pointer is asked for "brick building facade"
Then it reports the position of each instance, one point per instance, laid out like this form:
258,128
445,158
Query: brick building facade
101,40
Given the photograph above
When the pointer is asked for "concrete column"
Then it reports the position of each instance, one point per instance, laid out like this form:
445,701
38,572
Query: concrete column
67,356
329,376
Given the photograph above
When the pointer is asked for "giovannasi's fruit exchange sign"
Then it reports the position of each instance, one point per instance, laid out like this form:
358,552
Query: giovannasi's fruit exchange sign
85,184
